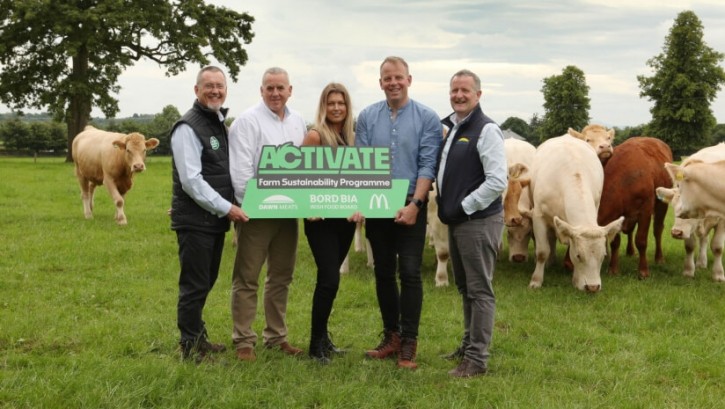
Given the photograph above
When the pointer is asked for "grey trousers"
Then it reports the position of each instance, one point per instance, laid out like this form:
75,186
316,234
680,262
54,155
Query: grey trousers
474,246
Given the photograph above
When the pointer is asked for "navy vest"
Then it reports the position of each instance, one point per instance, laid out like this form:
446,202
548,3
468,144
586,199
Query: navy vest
212,133
464,172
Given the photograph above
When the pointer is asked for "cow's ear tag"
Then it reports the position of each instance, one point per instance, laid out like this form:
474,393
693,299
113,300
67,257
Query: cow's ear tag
680,176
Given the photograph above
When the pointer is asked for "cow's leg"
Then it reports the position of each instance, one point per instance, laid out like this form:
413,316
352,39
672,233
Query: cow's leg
641,242
117,199
543,250
701,261
660,213
716,245
369,250
614,253
689,269
345,266
359,237
87,189
442,256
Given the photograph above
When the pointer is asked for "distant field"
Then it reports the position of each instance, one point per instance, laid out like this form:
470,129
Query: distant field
87,320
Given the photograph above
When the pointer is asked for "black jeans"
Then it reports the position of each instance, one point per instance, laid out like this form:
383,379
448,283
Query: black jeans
329,240
398,248
199,256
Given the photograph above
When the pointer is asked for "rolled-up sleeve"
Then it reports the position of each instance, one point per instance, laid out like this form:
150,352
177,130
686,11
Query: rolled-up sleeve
187,149
429,145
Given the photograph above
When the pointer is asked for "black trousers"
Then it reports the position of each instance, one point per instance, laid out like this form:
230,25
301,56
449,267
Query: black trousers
397,250
199,256
329,241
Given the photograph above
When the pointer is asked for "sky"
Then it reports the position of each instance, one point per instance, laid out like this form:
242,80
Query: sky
512,45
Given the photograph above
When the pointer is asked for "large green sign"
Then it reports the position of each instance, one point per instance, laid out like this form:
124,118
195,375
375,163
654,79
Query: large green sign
324,181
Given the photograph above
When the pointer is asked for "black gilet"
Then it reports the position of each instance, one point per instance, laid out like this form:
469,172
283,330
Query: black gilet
464,171
212,133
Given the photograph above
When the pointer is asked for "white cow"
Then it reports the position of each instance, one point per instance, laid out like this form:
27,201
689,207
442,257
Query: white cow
701,189
695,231
111,159
518,228
566,185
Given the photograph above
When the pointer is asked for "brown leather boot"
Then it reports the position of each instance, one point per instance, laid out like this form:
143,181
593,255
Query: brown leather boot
406,357
388,347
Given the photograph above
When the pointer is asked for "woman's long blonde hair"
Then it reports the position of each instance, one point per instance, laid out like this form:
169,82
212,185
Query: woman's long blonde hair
327,135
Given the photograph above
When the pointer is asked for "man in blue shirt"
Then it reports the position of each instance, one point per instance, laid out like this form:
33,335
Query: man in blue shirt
413,133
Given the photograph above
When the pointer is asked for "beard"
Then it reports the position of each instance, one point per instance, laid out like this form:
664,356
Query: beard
216,107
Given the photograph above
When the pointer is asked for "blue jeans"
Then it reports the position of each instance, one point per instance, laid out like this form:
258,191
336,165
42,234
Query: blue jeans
398,249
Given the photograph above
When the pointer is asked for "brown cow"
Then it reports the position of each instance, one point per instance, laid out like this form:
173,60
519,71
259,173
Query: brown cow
631,176
108,158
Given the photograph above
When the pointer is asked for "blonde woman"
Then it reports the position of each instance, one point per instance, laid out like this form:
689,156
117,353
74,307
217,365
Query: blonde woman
329,238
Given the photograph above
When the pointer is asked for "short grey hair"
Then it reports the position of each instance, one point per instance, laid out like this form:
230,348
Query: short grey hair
274,71
209,68
468,73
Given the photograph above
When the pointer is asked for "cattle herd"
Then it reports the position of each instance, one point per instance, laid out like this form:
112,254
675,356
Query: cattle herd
577,188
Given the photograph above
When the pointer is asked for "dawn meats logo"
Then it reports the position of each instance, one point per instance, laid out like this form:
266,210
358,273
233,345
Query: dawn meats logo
278,202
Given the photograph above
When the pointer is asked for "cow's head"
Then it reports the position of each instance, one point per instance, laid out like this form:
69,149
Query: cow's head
587,248
518,240
601,139
135,146
681,194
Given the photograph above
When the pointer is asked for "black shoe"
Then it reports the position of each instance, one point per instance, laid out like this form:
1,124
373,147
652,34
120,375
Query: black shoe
190,351
319,350
331,348
458,354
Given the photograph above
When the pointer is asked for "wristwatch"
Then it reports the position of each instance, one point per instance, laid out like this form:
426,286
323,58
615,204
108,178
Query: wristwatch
417,202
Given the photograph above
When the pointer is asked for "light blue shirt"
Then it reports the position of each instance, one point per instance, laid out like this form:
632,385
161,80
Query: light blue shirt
491,150
414,137
186,148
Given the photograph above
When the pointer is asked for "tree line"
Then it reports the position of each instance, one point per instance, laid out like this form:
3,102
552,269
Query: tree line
102,38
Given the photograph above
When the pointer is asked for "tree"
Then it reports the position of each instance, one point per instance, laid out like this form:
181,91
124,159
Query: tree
686,79
718,134
67,55
517,125
566,103
33,137
160,128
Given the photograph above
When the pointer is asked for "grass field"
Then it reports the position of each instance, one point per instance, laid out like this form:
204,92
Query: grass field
87,320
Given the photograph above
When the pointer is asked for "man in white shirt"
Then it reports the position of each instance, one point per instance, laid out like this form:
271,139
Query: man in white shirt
273,241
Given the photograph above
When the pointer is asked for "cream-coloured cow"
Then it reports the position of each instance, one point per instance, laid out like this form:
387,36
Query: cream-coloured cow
566,185
111,159
599,138
701,189
519,157
695,231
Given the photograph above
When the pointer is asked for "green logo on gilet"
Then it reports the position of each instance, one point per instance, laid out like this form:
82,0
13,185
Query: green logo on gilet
214,143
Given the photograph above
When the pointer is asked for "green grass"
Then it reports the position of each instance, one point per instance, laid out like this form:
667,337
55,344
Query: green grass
88,310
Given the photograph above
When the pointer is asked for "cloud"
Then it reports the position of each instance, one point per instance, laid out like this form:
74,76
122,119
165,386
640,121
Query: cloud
512,45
